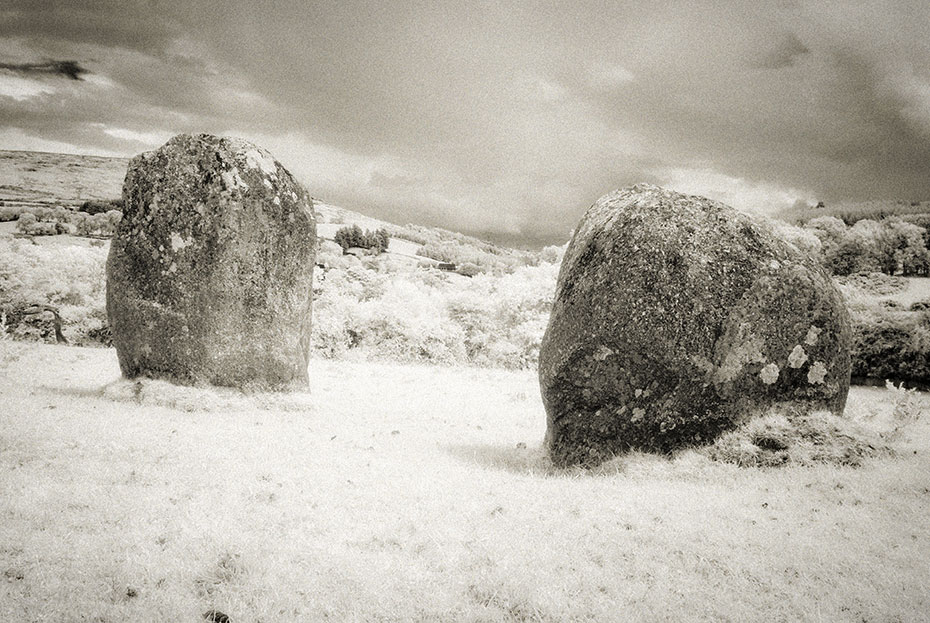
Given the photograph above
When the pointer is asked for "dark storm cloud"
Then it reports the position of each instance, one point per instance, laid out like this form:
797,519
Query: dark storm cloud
509,119
69,69
130,24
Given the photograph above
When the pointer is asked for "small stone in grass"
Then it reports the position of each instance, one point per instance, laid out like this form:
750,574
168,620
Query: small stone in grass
215,616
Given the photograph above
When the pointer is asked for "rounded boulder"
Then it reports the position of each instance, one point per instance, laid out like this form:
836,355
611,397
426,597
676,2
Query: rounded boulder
676,318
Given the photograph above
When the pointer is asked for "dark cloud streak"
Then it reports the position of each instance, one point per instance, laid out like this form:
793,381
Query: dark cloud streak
69,69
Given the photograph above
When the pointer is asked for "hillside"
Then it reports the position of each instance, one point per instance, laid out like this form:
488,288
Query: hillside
39,179
850,212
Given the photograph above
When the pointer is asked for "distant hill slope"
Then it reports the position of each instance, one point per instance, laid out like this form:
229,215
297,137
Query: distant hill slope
851,212
39,178
30,178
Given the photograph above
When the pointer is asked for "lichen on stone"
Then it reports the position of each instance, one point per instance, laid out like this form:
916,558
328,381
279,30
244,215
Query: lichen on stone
256,158
817,373
233,180
769,373
179,242
797,357
812,334
746,352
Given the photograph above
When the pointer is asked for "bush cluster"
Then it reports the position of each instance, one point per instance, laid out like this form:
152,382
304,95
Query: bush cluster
377,307
462,254
379,310
890,340
8,213
892,345
68,277
353,236
852,213
59,220
891,245
448,246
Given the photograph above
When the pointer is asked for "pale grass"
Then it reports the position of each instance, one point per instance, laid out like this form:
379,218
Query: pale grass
404,493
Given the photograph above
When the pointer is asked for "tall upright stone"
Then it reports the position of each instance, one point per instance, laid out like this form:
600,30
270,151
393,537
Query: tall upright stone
676,318
210,271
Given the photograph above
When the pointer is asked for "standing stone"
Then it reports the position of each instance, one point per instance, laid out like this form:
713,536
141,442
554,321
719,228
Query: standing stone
676,318
209,273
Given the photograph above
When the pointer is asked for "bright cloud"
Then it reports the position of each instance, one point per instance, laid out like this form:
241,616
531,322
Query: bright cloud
746,195
151,139
22,89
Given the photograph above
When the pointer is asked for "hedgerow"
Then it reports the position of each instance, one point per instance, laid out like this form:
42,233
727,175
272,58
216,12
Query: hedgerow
891,245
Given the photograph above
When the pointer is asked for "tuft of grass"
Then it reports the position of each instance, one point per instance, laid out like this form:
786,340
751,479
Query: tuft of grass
791,438
906,407
9,350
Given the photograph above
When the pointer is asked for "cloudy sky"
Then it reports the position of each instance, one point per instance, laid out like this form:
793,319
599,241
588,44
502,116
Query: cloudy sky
507,118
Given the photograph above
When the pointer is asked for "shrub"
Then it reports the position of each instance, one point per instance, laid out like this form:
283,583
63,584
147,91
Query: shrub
829,230
70,278
42,229
469,270
892,345
8,214
921,220
25,221
891,245
100,224
348,237
553,254
95,206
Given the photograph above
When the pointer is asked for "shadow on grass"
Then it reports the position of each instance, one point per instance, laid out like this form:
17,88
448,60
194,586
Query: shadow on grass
514,459
159,393
74,392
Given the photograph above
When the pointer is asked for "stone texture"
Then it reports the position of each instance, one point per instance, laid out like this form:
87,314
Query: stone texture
676,318
209,273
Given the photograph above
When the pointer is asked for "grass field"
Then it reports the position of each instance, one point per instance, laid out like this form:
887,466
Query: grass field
409,493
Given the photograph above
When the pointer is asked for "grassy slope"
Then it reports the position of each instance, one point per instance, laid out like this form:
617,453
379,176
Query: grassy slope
400,493
854,211
40,179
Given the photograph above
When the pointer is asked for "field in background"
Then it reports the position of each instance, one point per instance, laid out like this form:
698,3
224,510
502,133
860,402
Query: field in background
392,492
852,212
31,178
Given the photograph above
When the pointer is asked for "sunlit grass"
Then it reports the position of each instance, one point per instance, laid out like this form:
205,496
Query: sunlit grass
395,492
